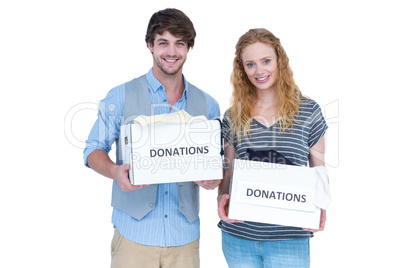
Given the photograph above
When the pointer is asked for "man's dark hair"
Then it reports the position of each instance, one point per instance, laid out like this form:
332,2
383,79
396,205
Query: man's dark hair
175,22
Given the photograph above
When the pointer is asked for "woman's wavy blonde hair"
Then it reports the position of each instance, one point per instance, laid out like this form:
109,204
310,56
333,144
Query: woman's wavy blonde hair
244,95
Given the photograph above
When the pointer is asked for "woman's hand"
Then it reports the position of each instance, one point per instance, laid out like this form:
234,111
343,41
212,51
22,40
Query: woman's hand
223,208
323,219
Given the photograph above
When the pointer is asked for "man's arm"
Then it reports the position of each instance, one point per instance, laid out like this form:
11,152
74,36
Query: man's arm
99,161
103,134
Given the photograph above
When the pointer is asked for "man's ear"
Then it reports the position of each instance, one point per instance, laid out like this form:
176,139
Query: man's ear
150,47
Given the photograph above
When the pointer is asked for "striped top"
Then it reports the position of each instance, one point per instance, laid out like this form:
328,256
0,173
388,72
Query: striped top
294,144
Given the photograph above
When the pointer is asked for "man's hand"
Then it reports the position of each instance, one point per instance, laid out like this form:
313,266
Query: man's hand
99,161
209,185
121,176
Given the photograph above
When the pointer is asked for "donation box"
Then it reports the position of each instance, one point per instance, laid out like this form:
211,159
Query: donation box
172,152
274,193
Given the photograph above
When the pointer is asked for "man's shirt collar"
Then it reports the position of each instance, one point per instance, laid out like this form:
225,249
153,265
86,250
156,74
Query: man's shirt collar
155,85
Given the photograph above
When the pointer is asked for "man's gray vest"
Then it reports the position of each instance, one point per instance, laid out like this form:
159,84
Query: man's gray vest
140,202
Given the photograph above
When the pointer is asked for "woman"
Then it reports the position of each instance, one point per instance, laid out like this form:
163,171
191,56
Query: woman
268,113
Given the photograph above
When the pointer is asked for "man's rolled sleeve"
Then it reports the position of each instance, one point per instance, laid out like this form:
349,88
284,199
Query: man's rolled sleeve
106,129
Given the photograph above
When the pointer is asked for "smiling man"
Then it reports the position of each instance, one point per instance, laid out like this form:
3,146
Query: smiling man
155,225
169,52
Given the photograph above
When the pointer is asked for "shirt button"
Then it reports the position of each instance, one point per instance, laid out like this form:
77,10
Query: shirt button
165,216
166,192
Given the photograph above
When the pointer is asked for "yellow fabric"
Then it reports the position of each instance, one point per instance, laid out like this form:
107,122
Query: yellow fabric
177,117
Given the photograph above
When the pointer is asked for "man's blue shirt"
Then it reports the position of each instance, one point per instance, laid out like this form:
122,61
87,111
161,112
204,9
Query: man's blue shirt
165,225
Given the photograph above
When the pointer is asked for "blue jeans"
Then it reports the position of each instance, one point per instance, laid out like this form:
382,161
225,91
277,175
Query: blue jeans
242,253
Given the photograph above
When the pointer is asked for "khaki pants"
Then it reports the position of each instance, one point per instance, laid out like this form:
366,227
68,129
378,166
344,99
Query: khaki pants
127,254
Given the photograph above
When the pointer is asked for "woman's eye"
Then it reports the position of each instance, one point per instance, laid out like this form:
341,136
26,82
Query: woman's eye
250,65
267,61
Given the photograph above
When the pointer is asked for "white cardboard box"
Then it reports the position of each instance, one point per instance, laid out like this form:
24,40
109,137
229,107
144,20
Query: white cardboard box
274,193
172,152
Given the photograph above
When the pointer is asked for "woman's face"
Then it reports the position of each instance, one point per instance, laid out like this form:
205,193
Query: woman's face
260,64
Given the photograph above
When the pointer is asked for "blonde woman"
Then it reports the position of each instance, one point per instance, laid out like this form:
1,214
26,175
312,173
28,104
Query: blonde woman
268,113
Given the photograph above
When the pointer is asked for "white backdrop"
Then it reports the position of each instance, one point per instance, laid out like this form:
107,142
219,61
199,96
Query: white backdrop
58,59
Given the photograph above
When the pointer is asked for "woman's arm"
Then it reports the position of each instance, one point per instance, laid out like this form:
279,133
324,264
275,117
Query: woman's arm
316,158
223,192
317,153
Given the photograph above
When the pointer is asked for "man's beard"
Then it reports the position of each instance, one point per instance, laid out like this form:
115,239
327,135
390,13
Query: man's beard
168,71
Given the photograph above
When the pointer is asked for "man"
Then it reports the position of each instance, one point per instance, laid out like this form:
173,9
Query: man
155,225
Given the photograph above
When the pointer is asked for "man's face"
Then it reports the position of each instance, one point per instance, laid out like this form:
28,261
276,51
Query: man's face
169,53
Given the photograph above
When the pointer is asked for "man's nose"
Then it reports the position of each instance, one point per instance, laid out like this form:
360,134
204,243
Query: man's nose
172,50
